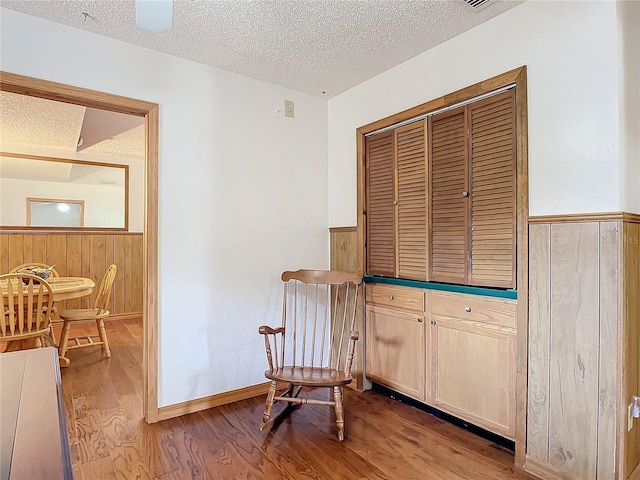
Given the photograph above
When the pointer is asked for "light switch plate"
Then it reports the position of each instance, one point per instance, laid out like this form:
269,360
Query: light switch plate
288,108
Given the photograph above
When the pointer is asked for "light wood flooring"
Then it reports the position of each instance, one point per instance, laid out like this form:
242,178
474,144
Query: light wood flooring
385,439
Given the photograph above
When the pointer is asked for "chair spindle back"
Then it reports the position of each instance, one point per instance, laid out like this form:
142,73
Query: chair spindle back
24,266
104,292
24,306
318,318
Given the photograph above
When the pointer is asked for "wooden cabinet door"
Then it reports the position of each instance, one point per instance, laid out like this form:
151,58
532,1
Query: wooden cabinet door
449,196
473,373
380,205
411,181
395,350
492,151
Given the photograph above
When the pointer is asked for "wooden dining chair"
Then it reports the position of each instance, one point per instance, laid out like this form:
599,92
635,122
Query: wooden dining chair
26,301
98,313
24,266
315,344
55,318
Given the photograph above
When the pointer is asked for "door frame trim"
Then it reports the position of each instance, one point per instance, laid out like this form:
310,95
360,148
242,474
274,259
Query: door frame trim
23,85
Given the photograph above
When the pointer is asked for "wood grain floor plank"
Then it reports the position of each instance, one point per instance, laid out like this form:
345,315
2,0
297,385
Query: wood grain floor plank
91,440
128,440
98,469
481,456
312,429
283,450
435,429
228,451
185,451
385,439
287,438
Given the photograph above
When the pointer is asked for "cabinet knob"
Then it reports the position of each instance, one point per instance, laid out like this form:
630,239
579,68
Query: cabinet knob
395,202
467,309
465,194
433,322
390,297
420,319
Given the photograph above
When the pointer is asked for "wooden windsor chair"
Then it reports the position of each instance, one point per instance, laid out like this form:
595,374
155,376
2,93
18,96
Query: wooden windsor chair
25,321
54,272
98,313
315,344
55,318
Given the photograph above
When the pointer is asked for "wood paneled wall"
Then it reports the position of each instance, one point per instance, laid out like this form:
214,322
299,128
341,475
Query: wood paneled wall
631,337
344,257
84,255
584,339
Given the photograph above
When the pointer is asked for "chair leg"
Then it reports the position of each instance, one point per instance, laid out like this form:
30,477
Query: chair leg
64,340
268,404
337,397
52,335
103,338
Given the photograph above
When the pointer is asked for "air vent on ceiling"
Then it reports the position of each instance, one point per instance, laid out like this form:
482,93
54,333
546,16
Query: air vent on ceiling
477,4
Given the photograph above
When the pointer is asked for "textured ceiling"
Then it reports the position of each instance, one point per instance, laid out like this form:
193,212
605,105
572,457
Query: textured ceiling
32,121
35,122
311,46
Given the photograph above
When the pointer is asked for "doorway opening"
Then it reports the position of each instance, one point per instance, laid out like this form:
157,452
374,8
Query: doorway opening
32,87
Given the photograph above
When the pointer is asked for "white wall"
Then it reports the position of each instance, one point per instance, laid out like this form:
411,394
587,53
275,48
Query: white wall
629,75
243,193
570,49
103,204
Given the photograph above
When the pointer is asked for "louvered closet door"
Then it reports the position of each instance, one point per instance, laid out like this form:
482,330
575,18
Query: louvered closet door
381,252
449,205
412,201
493,191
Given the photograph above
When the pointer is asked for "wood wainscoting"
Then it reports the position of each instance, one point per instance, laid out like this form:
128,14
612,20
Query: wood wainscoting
84,255
584,343
344,257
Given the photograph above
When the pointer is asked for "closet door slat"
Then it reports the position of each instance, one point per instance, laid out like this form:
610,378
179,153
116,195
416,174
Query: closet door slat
493,191
448,206
380,194
411,162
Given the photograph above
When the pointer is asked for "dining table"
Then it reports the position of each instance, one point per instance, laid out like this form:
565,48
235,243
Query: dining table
66,288
63,288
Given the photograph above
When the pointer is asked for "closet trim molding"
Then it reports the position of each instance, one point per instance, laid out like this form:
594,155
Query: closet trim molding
443,109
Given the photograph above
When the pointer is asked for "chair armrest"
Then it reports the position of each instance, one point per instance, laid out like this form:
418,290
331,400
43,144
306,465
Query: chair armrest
265,330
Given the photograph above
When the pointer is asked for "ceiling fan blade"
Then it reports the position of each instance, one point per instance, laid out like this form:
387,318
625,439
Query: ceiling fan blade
154,15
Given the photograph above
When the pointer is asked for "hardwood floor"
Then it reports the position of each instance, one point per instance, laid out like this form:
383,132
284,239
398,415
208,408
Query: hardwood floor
385,439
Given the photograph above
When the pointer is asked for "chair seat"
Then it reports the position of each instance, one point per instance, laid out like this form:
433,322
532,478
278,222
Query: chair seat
309,376
83,314
35,332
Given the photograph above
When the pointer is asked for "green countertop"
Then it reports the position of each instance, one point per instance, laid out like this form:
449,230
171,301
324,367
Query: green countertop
446,287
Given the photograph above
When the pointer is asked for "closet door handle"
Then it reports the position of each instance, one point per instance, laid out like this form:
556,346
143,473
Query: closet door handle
465,194
433,322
